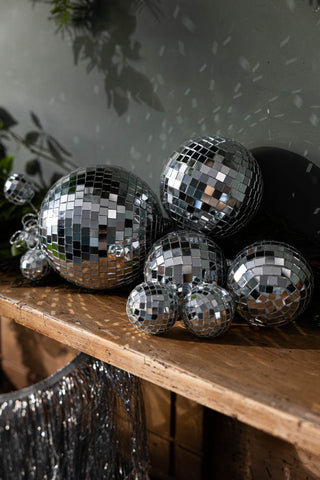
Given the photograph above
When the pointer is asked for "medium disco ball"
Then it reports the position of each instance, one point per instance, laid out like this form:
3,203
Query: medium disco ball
211,184
18,190
96,225
34,265
208,310
152,308
270,282
182,257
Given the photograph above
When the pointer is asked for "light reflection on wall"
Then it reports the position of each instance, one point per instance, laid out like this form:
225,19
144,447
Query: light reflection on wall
128,90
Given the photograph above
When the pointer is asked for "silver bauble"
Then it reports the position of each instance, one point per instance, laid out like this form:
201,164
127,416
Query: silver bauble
211,184
207,310
34,265
182,257
270,282
96,225
152,308
18,190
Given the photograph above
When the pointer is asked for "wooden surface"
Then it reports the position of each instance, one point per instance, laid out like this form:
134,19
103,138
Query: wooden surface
268,379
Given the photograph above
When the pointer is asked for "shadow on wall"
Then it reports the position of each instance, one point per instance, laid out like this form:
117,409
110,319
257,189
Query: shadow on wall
291,190
290,208
102,37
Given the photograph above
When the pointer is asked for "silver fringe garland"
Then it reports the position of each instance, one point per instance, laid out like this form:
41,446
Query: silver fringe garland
69,426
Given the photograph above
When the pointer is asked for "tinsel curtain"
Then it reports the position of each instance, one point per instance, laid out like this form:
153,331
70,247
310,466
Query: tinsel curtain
86,422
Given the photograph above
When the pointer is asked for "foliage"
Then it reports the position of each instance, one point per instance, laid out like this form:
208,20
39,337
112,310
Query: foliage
102,35
39,145
61,11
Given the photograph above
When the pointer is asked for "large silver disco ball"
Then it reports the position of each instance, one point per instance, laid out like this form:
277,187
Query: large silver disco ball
270,282
97,224
152,308
182,257
207,310
211,184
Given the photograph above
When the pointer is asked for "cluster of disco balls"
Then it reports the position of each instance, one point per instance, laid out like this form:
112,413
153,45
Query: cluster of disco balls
99,226
95,226
33,264
211,188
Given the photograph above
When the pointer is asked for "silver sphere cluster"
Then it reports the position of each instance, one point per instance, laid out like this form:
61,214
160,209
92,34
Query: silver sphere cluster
184,264
214,186
98,226
207,310
33,264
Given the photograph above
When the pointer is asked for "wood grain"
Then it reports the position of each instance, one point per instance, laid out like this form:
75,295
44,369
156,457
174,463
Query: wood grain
268,379
241,452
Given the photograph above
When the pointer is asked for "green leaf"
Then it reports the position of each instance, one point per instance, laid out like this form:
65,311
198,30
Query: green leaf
15,251
6,166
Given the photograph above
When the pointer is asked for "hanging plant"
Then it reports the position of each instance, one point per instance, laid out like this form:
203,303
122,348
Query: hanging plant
38,146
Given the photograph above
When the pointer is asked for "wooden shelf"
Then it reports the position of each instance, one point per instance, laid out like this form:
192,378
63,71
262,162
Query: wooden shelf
269,379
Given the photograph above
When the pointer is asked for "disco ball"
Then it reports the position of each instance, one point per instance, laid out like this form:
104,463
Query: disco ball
208,310
270,282
18,190
96,225
211,184
152,308
182,257
34,265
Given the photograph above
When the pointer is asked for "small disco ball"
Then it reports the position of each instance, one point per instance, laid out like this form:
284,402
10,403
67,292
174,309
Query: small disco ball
213,185
207,310
181,257
34,265
270,282
97,224
152,308
18,190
